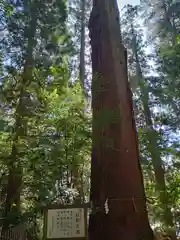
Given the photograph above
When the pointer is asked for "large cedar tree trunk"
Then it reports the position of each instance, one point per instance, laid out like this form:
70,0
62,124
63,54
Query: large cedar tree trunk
116,177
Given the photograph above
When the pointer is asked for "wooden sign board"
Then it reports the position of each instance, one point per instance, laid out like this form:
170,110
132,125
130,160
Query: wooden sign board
66,222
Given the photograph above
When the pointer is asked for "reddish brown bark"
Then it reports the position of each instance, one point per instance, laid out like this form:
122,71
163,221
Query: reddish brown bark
116,173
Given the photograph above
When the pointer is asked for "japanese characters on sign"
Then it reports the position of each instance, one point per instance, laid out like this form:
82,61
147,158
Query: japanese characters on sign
65,223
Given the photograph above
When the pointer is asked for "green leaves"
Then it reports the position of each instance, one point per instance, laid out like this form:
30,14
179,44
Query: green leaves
10,10
178,39
156,102
56,137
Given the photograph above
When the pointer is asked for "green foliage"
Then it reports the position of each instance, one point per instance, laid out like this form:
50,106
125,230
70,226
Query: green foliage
156,101
42,115
40,45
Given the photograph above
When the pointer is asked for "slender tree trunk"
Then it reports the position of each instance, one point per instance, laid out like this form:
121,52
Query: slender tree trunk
153,147
76,179
79,183
117,191
171,25
82,49
15,168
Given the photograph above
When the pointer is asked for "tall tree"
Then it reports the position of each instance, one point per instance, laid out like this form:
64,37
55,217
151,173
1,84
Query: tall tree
35,44
79,12
82,49
165,13
15,169
115,155
154,149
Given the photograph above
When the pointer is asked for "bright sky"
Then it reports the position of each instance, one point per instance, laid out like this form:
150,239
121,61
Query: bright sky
124,2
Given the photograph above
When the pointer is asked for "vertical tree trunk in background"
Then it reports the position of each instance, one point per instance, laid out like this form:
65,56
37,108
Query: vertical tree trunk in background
169,23
153,147
116,177
15,168
77,182
82,49
76,170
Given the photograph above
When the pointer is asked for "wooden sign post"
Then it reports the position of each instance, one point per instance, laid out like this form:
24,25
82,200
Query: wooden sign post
65,222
